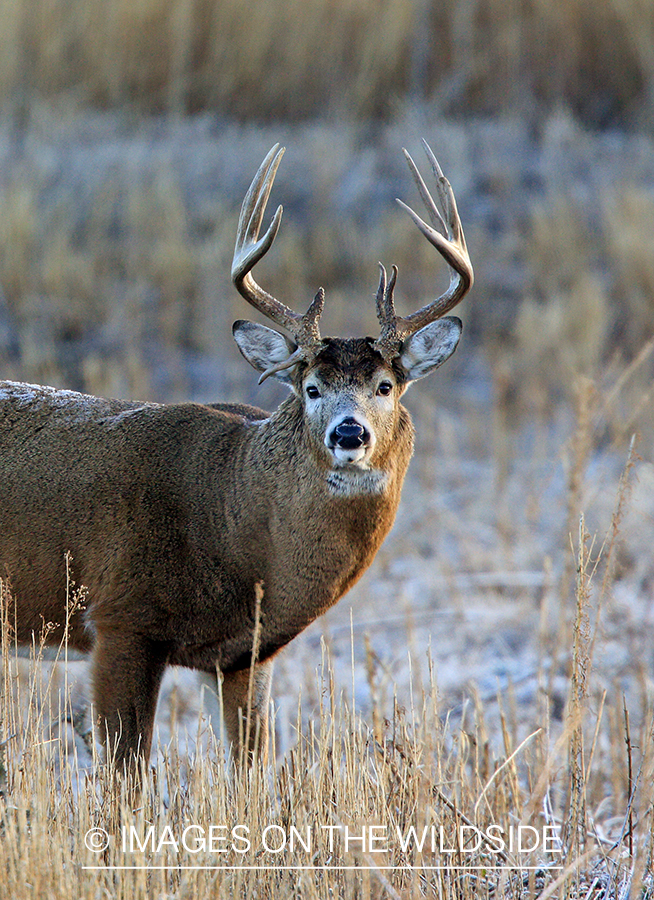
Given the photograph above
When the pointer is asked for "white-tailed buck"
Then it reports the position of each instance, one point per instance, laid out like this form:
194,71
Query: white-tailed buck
173,514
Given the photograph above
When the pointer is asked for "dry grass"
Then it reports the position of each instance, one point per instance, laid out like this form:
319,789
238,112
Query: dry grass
298,829
294,59
588,307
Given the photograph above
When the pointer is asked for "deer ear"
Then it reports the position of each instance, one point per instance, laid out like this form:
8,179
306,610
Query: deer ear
264,348
428,348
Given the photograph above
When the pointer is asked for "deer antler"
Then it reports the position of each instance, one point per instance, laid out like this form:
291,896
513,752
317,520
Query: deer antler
250,248
451,245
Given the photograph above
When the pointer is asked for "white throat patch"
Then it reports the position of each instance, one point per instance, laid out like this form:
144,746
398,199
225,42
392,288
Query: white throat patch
344,482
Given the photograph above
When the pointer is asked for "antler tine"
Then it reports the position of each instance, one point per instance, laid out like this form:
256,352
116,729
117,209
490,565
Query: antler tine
452,247
250,248
388,342
427,199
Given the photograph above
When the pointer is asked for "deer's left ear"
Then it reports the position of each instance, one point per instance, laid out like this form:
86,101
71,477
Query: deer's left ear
428,348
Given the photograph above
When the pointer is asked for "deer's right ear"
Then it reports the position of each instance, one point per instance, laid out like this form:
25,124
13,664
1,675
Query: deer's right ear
264,349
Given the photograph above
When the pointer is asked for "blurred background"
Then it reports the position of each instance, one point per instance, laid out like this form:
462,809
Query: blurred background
129,133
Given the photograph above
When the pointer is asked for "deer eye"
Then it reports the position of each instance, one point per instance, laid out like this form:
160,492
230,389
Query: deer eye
384,389
312,392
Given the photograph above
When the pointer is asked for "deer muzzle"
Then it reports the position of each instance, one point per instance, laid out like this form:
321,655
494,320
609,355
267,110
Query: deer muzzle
349,439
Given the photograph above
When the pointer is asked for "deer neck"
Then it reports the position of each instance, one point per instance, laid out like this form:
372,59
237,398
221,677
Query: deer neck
294,459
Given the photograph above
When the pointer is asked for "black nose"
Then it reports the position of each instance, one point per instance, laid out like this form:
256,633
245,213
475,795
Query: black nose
349,434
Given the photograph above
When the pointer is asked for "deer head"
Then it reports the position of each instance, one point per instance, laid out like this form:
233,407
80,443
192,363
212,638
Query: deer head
350,387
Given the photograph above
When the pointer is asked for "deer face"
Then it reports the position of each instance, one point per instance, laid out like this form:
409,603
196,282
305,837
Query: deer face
349,392
350,397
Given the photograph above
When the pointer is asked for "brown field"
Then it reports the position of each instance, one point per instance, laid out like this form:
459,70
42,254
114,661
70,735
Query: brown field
295,60
495,667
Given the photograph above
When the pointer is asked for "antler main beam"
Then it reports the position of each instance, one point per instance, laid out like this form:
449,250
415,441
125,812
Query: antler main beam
446,234
250,249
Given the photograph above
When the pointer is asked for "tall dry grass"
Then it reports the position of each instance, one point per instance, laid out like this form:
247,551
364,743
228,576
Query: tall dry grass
410,807
587,310
292,59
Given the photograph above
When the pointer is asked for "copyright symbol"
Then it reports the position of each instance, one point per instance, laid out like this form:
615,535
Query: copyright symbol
96,840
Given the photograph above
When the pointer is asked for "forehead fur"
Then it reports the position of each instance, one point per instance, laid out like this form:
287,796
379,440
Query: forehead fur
354,357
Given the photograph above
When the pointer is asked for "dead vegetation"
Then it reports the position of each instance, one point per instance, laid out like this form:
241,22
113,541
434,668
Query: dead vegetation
297,60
